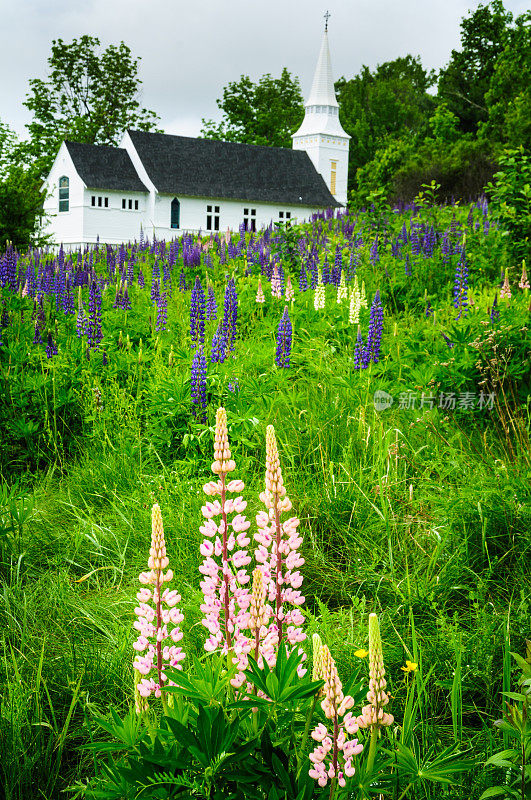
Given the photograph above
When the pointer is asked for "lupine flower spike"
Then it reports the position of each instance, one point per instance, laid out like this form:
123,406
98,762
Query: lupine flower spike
289,293
260,297
332,757
279,558
226,596
373,715
276,287
524,280
156,612
258,613
319,296
506,288
342,291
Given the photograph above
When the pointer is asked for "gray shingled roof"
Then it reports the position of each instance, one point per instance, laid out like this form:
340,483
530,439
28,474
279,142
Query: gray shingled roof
205,168
102,167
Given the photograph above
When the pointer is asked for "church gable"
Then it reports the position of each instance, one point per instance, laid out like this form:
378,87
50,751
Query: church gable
102,167
189,167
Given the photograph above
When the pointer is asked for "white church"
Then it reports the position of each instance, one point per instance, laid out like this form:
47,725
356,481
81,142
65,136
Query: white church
168,185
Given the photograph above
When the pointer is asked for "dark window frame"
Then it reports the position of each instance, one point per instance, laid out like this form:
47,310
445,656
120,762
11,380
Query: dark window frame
175,214
64,193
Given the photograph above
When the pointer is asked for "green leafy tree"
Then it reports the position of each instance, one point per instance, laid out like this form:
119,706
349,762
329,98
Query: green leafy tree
508,99
20,195
89,96
391,102
464,83
266,113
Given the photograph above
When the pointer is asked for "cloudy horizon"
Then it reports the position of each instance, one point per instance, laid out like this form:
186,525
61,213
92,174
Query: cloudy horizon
189,53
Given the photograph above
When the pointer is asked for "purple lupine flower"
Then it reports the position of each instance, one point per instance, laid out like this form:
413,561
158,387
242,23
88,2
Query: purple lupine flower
358,350
303,280
233,385
155,281
141,280
460,291
118,297
198,384
37,338
495,312
51,347
374,256
182,281
415,241
407,266
197,314
68,298
131,269
447,340
374,335
162,311
429,310
126,300
211,305
219,346
445,247
81,321
230,314
284,339
326,270
470,218
94,332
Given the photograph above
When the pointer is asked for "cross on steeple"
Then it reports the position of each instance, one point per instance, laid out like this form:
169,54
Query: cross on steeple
326,17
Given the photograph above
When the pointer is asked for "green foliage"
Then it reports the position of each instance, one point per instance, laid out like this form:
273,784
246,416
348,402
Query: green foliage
88,96
382,105
265,113
515,761
511,196
20,208
465,81
508,98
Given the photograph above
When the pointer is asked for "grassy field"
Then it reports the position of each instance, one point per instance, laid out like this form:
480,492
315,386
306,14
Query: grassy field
419,511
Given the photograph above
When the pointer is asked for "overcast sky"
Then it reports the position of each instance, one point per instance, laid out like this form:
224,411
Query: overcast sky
191,50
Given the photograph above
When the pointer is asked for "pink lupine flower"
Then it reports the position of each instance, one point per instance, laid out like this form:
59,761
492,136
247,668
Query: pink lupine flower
277,554
226,597
276,287
506,288
289,293
524,280
156,645
260,297
332,758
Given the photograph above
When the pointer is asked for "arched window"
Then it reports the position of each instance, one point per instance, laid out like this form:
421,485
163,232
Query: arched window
64,193
175,219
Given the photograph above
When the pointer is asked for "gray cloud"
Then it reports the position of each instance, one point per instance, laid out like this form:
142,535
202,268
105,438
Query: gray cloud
190,51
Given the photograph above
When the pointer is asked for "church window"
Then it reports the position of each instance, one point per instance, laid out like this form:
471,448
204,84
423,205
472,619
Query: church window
175,214
249,219
333,169
130,205
212,220
93,200
99,201
136,205
64,193
124,203
106,202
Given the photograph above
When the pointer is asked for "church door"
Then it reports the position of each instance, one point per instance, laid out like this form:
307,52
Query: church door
175,213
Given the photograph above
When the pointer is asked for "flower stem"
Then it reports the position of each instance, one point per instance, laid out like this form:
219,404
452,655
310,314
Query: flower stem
225,565
306,732
372,749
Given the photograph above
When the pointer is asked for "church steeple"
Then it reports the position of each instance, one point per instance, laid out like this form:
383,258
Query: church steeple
321,133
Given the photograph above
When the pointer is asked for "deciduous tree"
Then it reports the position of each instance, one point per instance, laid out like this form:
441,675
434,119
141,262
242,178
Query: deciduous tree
89,96
267,112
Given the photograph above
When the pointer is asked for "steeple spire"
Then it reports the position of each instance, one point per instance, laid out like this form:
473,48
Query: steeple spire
322,92
321,133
